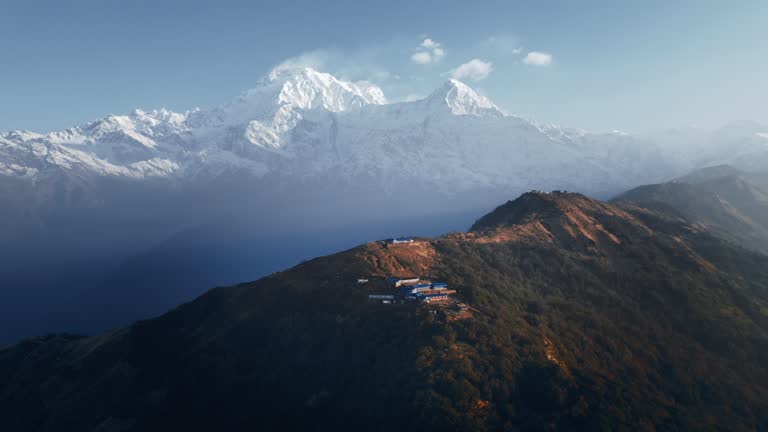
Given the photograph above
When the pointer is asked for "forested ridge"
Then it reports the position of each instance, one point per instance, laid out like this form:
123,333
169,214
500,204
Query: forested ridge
585,316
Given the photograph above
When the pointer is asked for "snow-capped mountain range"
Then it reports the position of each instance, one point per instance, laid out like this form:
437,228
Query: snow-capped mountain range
128,215
307,125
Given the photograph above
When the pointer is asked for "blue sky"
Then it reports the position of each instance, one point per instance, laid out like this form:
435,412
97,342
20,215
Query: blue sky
600,65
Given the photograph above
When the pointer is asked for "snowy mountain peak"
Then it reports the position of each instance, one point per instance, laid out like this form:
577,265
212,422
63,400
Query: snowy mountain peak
463,100
287,127
309,89
20,136
279,101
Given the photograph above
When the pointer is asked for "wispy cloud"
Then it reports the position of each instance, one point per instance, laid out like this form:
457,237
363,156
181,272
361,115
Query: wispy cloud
373,63
412,97
429,51
474,69
501,45
429,43
358,65
314,59
422,57
538,58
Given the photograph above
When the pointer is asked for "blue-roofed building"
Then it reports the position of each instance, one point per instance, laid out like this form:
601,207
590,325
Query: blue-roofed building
409,290
414,289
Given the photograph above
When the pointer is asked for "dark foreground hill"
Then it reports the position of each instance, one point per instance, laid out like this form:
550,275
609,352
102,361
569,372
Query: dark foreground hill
584,316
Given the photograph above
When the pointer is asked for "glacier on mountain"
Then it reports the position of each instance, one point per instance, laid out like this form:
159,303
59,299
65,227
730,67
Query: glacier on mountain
304,125
144,210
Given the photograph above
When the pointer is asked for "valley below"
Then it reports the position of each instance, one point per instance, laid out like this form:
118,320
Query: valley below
123,217
583,315
312,256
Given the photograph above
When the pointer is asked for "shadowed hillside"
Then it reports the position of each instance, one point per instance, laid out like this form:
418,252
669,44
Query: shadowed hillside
731,203
585,316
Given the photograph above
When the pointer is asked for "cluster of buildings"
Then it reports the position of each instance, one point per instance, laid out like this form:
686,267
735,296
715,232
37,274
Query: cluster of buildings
410,289
414,289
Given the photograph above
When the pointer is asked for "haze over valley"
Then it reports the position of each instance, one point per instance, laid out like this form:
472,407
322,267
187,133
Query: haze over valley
517,216
300,165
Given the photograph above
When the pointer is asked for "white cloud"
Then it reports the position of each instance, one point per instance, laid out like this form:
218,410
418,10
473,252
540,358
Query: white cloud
412,97
422,57
429,43
517,50
474,69
537,58
429,51
359,65
313,59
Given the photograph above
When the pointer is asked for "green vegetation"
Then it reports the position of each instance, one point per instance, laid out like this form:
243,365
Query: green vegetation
657,326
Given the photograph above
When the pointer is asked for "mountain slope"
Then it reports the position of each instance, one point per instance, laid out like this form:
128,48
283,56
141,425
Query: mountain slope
731,203
584,315
304,124
300,148
301,127
304,153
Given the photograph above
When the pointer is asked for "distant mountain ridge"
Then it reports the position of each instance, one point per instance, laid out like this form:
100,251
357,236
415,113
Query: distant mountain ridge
302,153
730,202
307,124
